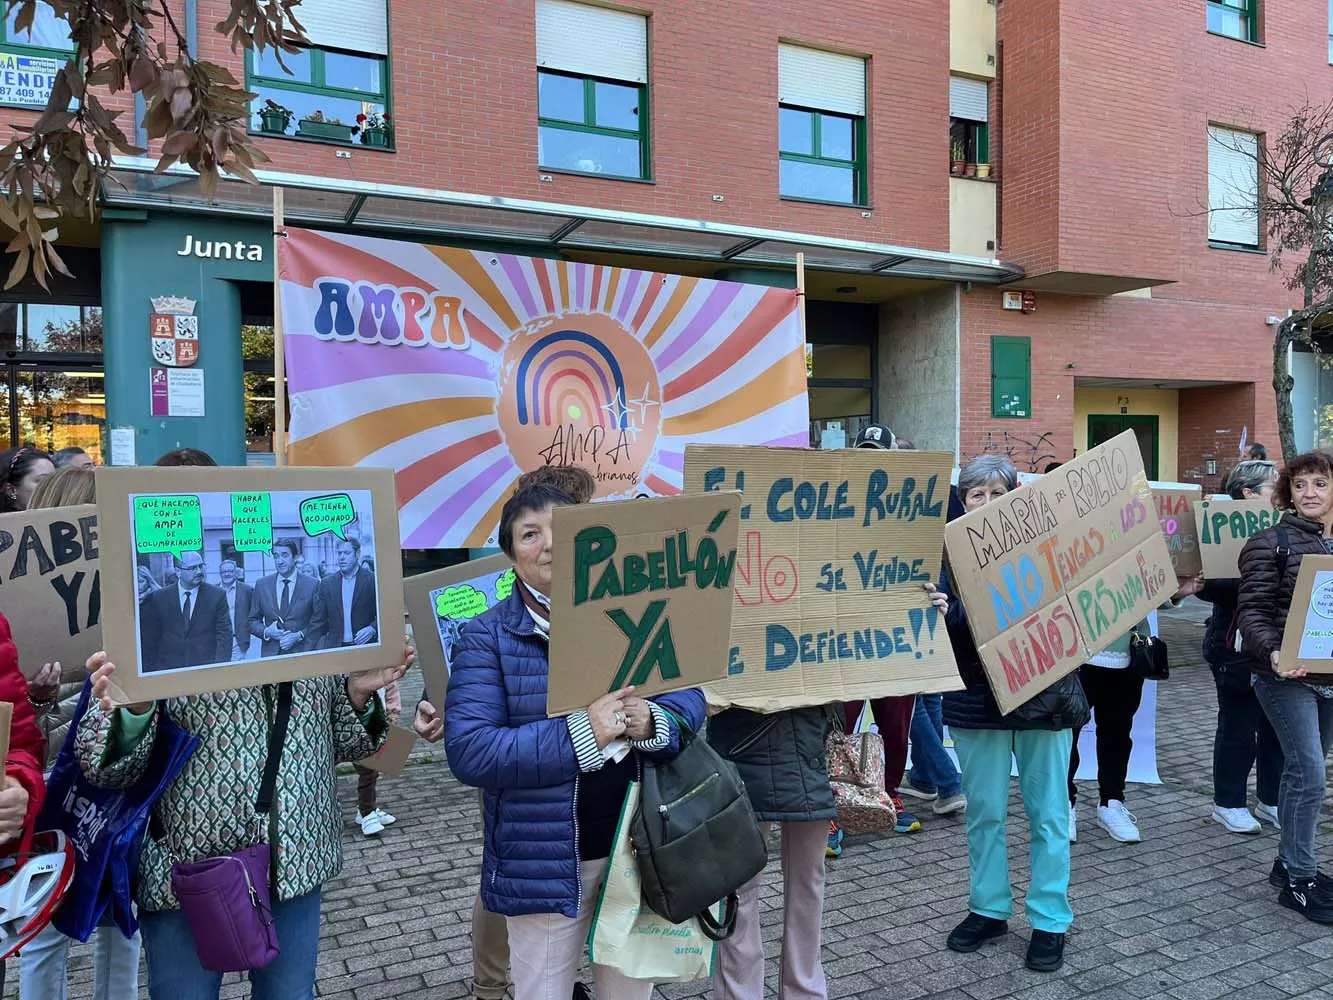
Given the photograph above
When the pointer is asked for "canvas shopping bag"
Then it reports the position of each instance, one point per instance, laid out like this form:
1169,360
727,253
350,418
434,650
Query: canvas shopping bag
632,939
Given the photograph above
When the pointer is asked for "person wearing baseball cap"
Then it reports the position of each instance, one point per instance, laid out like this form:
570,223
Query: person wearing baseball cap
876,436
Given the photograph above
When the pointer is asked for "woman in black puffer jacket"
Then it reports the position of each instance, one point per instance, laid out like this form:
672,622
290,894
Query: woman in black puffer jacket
1243,730
1299,705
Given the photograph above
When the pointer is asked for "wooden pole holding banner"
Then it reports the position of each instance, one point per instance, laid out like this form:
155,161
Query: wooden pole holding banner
800,306
279,354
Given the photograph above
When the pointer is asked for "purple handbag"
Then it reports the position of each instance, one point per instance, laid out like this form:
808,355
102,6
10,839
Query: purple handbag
226,899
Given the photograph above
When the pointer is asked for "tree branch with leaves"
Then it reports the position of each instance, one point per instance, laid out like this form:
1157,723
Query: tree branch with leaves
55,167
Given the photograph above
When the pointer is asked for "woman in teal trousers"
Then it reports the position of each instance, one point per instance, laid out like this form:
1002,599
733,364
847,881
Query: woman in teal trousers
986,742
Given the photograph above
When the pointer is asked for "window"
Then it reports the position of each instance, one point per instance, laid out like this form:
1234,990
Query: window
46,32
821,126
1233,188
1234,18
592,90
1011,376
343,75
969,114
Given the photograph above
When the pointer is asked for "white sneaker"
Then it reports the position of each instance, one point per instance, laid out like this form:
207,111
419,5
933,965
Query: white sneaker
1119,822
384,817
1073,824
950,804
1268,814
370,825
1236,820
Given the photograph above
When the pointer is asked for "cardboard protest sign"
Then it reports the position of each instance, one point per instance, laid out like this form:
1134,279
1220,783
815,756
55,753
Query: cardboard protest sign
439,602
50,585
228,578
1058,569
641,595
1308,639
1175,513
834,549
391,758
1224,528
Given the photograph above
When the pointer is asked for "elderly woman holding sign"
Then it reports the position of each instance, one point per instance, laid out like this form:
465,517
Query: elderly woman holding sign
553,787
1300,707
987,742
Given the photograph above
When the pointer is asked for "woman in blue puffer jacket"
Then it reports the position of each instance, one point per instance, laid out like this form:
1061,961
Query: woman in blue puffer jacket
553,788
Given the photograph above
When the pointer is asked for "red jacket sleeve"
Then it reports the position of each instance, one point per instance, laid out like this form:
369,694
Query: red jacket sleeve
27,748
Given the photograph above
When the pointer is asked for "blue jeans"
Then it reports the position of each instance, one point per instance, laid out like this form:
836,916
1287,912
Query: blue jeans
932,767
174,972
1303,722
44,962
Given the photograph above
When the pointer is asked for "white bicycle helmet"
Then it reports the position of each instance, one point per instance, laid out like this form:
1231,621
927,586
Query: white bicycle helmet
32,887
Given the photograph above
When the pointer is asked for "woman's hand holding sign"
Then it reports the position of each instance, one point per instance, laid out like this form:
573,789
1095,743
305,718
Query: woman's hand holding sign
607,715
362,685
101,670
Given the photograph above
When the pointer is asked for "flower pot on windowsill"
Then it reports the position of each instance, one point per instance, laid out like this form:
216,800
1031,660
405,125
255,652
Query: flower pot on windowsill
376,138
274,124
983,171
324,130
971,170
956,167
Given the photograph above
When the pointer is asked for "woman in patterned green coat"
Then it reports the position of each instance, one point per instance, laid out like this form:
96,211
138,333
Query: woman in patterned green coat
209,810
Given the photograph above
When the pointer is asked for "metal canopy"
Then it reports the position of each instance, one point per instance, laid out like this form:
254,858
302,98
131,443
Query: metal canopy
446,215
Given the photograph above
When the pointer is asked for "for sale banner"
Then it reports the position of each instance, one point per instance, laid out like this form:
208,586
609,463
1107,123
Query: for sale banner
462,370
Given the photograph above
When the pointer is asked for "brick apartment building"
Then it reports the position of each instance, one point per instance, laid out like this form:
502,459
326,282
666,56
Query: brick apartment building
931,160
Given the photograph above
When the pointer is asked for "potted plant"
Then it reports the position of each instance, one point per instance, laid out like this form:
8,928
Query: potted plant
319,127
375,129
274,118
983,170
970,170
957,158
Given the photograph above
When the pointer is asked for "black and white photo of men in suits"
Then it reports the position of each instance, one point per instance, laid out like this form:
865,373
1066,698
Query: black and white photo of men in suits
186,623
239,598
346,607
283,605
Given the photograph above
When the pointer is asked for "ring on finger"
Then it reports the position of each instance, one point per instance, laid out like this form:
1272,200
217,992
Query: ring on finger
620,719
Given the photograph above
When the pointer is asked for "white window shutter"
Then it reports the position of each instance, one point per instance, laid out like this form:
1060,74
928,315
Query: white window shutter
354,25
1233,187
592,41
969,99
825,81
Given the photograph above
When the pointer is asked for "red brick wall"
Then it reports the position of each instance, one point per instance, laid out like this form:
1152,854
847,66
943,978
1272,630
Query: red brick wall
1212,421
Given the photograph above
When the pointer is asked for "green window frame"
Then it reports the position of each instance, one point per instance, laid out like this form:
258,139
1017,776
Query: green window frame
317,86
587,125
1011,377
857,163
972,137
1221,13
28,48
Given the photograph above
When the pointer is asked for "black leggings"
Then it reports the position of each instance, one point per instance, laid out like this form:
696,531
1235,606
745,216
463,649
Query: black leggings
1114,696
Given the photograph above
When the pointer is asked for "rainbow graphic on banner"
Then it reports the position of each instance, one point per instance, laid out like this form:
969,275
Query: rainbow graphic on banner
461,370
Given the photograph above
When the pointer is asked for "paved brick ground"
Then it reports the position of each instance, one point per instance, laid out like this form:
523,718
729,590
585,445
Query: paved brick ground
1187,914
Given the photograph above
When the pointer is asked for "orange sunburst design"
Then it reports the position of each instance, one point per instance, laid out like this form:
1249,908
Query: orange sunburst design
349,442
679,296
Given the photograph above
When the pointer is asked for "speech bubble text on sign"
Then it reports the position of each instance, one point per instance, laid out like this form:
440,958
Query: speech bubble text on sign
252,522
504,585
327,513
168,524
464,601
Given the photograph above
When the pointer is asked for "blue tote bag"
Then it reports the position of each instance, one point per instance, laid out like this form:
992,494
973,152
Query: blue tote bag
106,825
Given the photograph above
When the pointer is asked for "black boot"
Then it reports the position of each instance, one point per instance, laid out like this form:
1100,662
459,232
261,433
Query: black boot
974,931
1046,951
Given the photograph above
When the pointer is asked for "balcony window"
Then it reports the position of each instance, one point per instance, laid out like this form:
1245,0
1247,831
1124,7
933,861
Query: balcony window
1234,18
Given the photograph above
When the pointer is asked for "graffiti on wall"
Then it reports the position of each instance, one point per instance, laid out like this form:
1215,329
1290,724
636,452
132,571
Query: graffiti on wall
1027,454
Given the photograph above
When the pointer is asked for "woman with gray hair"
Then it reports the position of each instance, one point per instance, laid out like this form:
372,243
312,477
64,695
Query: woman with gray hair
986,741
1244,733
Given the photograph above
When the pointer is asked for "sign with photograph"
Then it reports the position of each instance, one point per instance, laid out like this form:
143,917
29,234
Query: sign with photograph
834,548
226,578
1060,568
1224,528
464,369
441,601
50,587
641,595
1308,639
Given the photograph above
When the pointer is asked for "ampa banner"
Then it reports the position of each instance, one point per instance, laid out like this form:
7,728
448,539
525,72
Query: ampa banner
461,370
